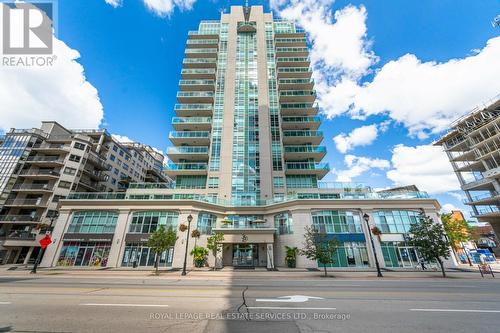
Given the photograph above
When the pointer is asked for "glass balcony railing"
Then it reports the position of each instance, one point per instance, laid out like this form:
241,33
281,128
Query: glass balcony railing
186,166
193,106
195,94
298,93
197,71
199,61
202,41
188,150
292,50
298,106
303,133
96,196
295,81
307,166
196,82
290,40
189,134
305,149
292,59
191,120
294,70
301,119
200,50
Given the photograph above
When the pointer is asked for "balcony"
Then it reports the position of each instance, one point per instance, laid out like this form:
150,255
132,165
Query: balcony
484,199
479,184
198,73
35,203
292,153
97,161
488,211
194,138
197,85
90,185
40,174
295,84
299,109
291,52
293,62
295,123
96,175
45,160
307,168
201,53
299,96
24,219
201,35
191,153
192,123
199,63
172,170
290,42
302,137
193,97
197,110
22,238
56,148
294,72
33,188
492,173
202,43
296,34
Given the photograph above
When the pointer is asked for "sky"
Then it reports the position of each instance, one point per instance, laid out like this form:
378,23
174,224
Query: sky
391,76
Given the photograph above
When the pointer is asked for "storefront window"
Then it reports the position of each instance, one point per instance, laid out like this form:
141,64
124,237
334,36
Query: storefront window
148,222
93,222
138,254
337,222
206,222
350,254
84,254
283,223
395,221
399,254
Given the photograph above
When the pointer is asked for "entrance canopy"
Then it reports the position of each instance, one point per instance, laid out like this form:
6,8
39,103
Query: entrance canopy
250,235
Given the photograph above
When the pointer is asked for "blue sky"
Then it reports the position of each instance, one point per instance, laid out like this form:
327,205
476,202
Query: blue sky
132,56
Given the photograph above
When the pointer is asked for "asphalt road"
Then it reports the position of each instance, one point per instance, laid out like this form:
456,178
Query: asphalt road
59,304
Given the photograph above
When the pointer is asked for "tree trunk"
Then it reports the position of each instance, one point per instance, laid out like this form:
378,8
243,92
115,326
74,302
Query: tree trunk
442,266
324,266
157,263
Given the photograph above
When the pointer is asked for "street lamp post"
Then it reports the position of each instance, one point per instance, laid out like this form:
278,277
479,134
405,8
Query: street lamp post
189,218
366,217
52,218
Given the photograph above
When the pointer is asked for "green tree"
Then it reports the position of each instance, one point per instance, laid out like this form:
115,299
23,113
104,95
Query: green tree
291,256
318,247
199,254
213,244
160,241
429,238
458,231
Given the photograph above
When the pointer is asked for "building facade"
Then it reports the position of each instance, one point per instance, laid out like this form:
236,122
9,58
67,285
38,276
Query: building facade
246,162
473,147
39,167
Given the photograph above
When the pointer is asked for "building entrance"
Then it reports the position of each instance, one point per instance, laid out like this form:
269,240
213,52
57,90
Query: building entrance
245,255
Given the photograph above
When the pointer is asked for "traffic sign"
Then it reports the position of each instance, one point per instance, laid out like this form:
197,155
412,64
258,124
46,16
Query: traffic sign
44,242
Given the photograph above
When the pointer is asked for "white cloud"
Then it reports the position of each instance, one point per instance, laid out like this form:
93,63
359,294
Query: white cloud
114,3
423,96
61,92
361,136
164,8
357,165
448,208
122,138
427,96
425,166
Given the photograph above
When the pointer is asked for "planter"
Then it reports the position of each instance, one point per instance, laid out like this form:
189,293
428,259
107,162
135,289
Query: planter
291,263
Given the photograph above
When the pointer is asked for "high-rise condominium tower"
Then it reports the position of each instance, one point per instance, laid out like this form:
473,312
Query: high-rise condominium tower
246,125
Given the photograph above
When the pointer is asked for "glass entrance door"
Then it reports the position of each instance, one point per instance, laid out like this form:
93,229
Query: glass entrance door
244,254
407,256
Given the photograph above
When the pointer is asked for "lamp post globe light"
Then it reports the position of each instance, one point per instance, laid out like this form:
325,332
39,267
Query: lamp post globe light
52,218
189,218
366,217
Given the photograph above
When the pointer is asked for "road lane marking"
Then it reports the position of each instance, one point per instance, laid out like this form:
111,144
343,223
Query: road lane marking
455,310
5,303
286,308
125,304
288,299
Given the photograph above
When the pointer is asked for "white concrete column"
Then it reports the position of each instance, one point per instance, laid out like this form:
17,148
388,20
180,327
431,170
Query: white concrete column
270,256
52,252
376,241
301,219
28,255
118,242
180,245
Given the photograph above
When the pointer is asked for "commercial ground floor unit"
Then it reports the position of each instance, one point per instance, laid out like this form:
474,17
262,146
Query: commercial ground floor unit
114,233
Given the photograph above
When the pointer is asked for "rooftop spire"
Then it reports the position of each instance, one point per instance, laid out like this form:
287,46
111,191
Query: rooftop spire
246,11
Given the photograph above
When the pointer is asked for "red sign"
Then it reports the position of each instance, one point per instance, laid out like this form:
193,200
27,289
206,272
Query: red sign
44,242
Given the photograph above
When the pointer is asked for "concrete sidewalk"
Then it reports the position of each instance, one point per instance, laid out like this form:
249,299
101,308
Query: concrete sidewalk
231,274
